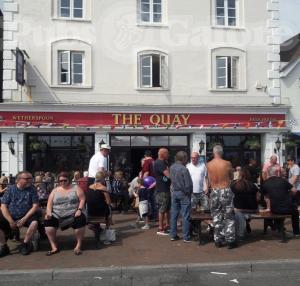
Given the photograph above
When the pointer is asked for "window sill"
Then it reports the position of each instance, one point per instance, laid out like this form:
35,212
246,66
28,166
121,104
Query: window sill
228,90
152,89
72,86
152,25
71,19
228,28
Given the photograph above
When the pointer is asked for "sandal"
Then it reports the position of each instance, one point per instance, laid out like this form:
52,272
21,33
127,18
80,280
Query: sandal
77,252
51,252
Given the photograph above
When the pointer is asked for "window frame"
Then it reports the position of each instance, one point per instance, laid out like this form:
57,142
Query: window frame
72,10
151,22
163,70
238,14
70,73
238,76
229,72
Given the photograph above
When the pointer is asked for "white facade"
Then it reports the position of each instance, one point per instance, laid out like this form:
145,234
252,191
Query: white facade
186,51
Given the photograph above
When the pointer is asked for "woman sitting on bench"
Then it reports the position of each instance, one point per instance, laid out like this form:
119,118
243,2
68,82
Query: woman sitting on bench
246,197
98,202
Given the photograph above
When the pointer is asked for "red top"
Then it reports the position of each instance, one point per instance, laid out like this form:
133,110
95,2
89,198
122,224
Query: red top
147,167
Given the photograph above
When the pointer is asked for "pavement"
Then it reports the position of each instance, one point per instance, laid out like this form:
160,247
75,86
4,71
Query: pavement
139,254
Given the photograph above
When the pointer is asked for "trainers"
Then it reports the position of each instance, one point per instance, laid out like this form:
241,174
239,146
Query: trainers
146,226
232,245
4,250
175,238
162,232
188,240
25,248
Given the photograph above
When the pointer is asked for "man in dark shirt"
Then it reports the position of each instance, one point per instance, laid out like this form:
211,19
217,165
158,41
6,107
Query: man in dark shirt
182,189
279,196
161,174
19,208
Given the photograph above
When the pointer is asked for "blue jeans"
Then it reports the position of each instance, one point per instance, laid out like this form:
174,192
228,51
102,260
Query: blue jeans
180,203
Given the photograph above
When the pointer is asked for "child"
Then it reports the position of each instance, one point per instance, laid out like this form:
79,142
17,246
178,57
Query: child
143,194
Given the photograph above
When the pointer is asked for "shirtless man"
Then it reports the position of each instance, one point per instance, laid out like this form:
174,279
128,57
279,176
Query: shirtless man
219,176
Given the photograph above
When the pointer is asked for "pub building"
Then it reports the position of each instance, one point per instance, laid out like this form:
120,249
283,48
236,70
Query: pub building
139,75
55,141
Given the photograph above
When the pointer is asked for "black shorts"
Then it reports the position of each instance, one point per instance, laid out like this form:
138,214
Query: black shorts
79,222
5,226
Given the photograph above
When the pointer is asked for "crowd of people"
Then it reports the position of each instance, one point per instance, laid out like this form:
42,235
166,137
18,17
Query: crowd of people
160,194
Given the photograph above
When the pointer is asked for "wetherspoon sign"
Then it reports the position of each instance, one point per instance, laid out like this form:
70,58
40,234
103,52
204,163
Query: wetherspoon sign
138,119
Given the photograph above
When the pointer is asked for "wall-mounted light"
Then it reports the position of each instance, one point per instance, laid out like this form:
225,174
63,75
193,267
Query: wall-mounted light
277,145
11,146
201,146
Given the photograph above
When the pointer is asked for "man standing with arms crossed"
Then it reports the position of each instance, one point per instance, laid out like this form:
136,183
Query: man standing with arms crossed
219,176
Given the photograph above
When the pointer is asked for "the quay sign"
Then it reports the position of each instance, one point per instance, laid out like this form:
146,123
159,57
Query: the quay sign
154,119
98,119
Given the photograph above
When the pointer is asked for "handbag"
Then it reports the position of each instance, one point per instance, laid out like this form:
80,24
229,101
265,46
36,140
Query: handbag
108,235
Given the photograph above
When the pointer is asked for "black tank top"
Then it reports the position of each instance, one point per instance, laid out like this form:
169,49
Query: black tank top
96,205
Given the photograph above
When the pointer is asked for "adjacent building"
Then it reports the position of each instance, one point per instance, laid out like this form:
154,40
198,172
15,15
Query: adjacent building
139,74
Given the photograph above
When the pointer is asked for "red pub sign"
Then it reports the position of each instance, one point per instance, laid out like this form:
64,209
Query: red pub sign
74,119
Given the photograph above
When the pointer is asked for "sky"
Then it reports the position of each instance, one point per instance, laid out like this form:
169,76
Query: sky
290,20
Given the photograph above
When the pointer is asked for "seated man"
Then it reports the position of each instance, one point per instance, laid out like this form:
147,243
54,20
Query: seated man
19,208
279,198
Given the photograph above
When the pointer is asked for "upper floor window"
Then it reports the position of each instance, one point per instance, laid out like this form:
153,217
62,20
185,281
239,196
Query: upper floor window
151,11
153,70
70,67
226,13
71,64
71,9
227,70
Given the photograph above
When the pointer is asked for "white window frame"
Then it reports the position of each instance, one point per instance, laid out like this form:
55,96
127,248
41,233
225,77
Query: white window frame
239,15
163,69
151,21
234,61
86,11
70,73
238,58
72,10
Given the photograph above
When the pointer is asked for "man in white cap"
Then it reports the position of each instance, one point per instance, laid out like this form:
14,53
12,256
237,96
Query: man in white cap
99,162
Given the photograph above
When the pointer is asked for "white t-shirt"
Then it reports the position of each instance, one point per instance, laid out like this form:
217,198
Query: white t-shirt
198,174
97,161
295,171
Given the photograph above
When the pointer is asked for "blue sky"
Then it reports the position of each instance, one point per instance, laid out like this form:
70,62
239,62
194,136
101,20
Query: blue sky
290,20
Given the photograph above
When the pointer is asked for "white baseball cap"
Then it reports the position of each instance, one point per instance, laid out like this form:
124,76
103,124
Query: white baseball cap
105,146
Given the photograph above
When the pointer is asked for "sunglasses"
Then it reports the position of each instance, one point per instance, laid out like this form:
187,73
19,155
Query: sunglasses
63,181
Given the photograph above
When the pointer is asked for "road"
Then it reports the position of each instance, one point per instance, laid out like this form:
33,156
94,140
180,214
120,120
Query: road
177,277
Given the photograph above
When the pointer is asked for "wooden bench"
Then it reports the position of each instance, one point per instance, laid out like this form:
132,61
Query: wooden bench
198,216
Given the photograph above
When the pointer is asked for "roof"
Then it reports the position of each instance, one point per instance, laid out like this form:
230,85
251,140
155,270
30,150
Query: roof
290,49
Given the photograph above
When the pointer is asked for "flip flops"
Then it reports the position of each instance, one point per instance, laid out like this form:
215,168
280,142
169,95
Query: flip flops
51,252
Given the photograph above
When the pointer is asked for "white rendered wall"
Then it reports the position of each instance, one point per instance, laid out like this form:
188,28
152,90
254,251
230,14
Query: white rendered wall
188,38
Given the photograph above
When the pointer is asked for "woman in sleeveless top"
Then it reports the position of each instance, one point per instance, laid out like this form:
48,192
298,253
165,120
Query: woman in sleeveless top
65,209
98,203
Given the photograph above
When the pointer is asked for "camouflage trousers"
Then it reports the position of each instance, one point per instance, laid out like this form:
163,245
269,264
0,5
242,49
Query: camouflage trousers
222,211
